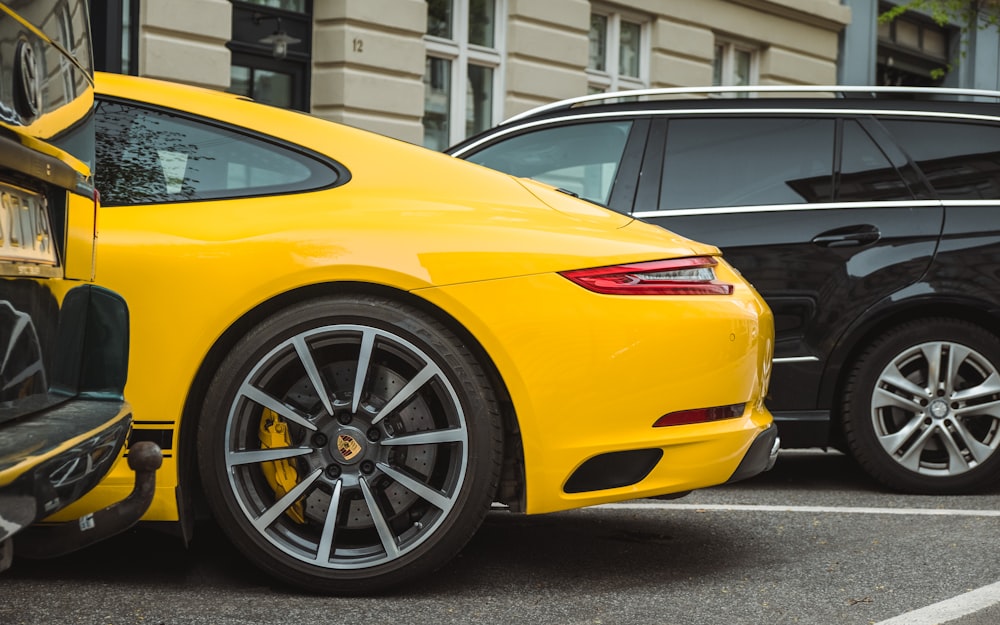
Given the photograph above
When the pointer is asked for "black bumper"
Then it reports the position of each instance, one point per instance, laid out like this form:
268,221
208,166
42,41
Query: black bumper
760,457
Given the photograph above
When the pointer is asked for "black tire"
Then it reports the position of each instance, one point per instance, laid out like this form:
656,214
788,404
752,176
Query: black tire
920,408
350,496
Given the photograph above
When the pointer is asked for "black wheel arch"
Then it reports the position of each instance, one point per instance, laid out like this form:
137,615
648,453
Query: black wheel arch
877,321
190,493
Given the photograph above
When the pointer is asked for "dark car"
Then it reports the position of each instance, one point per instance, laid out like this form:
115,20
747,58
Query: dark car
63,340
867,217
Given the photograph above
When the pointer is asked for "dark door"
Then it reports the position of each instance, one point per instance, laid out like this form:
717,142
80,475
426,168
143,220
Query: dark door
813,212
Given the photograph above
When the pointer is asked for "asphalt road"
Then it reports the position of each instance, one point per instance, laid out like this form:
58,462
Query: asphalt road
811,542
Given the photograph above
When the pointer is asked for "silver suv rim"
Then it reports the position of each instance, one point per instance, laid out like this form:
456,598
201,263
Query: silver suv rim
936,409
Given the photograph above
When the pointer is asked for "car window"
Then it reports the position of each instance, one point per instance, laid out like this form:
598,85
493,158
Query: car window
149,156
712,162
866,174
961,160
581,158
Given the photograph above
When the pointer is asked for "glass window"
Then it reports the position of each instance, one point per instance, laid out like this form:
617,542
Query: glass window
439,18
269,87
479,108
581,158
628,55
598,42
713,162
961,160
482,14
437,101
152,156
865,172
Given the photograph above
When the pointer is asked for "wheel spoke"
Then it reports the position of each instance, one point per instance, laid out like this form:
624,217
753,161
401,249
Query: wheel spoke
384,532
236,458
956,356
911,456
254,394
895,378
891,399
329,526
364,360
435,498
980,452
264,521
991,409
894,442
987,388
405,393
431,437
955,456
309,364
932,353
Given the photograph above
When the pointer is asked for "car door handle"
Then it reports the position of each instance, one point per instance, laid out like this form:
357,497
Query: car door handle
848,237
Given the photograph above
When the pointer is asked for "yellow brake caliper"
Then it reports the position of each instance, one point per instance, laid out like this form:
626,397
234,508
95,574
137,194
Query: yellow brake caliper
281,475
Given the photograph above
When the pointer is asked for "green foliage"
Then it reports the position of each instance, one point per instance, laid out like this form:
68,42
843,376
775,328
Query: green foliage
967,14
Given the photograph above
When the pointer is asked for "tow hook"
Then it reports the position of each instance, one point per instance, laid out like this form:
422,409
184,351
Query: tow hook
51,540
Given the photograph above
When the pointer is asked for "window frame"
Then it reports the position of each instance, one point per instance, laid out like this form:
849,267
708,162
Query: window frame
611,79
461,54
729,49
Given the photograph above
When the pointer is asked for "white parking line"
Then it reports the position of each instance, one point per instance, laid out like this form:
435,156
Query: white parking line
941,612
813,509
950,609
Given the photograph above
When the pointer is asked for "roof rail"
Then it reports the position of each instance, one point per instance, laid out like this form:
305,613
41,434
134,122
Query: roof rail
837,90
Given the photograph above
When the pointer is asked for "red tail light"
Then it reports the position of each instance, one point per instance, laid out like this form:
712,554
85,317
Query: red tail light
700,415
678,276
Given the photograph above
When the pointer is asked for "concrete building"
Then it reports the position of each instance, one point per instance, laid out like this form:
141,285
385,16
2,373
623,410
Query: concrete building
434,71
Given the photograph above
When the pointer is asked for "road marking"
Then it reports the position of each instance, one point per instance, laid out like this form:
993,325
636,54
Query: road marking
810,509
949,609
941,612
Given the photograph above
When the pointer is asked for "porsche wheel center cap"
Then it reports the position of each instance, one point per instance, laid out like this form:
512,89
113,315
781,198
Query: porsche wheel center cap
348,447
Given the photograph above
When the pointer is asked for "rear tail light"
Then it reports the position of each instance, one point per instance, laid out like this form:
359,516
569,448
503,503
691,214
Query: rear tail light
677,276
701,415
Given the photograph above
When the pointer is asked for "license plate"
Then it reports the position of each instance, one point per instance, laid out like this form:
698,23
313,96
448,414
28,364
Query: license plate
25,231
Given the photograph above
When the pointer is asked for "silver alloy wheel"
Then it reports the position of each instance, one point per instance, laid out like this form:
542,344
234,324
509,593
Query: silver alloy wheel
936,409
347,446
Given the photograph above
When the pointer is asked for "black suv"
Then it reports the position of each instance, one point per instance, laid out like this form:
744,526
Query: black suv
867,217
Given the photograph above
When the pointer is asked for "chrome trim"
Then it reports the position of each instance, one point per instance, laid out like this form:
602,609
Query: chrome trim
503,130
776,208
790,359
751,89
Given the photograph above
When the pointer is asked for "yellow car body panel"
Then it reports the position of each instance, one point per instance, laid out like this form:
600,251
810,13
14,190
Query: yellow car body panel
485,249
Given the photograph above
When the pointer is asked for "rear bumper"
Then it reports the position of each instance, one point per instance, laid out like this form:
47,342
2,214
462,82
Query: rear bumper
760,457
52,458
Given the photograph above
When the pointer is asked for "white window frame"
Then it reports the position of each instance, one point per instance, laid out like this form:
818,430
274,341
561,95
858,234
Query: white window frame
729,49
611,79
461,53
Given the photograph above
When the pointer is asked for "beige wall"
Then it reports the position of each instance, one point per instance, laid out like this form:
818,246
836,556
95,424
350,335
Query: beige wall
369,55
185,41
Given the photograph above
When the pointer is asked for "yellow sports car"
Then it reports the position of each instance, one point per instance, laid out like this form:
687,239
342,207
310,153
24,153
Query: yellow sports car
349,347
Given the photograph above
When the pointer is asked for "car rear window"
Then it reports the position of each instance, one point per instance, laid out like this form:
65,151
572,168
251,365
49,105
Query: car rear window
582,158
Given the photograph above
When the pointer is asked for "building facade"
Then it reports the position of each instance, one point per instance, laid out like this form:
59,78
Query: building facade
435,71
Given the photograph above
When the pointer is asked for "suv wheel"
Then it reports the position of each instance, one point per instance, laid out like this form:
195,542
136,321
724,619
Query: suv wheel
921,411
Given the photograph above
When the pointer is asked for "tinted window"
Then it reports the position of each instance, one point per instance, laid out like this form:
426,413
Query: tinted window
582,158
149,156
865,172
747,162
961,160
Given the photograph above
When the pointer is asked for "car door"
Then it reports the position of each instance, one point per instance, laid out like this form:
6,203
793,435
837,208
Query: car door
821,219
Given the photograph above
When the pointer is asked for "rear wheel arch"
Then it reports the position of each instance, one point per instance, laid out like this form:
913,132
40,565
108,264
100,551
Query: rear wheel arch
190,491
